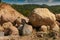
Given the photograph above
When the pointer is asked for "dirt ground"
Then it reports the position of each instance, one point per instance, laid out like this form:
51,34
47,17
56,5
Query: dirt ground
34,36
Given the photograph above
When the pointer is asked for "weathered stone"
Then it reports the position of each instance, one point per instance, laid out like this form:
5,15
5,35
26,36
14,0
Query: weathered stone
44,28
55,30
58,17
7,13
41,16
1,29
58,23
27,29
14,30
55,27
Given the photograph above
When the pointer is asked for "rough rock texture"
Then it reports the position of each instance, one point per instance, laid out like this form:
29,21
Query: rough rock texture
27,29
58,17
41,16
44,28
19,20
7,13
55,27
1,29
58,23
14,30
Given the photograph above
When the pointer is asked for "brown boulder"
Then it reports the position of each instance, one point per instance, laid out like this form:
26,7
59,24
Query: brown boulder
55,30
7,13
58,17
44,28
41,16
8,25
55,27
58,23
1,29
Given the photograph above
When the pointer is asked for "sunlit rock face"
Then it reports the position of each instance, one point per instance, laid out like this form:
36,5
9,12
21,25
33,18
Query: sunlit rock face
41,16
7,13
9,16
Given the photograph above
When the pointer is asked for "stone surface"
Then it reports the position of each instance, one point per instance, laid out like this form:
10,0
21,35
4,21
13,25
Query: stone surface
55,27
14,30
41,16
1,29
7,13
58,17
27,29
44,28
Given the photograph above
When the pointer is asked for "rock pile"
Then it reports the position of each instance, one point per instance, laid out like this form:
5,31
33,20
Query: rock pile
14,23
10,20
42,17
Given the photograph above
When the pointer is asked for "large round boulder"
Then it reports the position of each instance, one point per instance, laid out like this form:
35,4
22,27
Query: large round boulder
41,16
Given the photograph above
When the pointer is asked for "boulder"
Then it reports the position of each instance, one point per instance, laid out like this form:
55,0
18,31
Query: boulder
1,29
55,27
27,29
58,17
8,14
44,28
8,25
55,30
41,16
19,20
58,23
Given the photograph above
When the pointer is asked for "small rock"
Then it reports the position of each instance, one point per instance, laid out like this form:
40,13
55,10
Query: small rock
44,28
27,29
13,29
